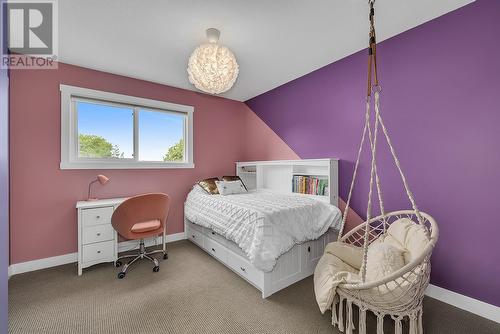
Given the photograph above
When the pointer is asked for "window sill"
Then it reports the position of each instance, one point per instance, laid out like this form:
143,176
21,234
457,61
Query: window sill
125,165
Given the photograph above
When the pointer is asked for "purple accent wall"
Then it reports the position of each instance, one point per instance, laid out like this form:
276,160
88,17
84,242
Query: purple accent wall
441,103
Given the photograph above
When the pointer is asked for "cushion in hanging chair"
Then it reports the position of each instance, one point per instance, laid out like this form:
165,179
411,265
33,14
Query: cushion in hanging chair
349,254
332,270
341,262
382,260
408,235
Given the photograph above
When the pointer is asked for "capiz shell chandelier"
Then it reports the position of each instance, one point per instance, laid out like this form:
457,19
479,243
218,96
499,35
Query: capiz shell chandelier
212,67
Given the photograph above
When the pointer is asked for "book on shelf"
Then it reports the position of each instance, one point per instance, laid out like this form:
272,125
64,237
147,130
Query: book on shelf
304,184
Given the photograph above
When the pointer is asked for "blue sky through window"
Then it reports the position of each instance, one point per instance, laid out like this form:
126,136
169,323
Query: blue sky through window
115,124
157,130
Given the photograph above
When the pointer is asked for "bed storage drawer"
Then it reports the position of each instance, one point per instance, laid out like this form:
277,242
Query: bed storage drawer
194,235
235,248
194,226
216,249
215,236
243,268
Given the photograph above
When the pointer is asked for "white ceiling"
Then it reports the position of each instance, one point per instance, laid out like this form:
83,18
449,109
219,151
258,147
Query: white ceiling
275,41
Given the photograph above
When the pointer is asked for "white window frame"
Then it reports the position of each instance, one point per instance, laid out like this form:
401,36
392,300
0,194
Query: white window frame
69,129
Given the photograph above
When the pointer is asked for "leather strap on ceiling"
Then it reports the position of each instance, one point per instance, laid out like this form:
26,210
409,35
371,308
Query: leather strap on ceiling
372,52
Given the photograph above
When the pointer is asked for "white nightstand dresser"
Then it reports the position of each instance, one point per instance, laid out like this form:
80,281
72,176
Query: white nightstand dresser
97,240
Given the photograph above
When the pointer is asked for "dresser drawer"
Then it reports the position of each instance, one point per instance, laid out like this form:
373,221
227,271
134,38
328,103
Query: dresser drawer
194,236
97,233
244,269
216,249
99,251
97,216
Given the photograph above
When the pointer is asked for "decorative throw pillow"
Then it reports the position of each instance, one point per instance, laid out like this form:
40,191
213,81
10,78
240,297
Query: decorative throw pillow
209,185
234,178
382,260
230,187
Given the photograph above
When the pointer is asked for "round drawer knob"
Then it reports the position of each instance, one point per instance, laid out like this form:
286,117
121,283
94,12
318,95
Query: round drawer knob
98,234
97,217
98,252
213,249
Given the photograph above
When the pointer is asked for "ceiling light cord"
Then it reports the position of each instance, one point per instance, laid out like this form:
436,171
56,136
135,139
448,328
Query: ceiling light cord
213,35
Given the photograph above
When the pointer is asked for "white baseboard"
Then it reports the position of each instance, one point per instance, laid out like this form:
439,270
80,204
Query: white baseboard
469,304
24,267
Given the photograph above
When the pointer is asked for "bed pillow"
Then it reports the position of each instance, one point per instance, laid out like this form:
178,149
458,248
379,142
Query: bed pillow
209,185
230,187
234,178
382,260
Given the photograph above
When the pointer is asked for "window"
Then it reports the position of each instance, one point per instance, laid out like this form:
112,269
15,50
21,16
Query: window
113,131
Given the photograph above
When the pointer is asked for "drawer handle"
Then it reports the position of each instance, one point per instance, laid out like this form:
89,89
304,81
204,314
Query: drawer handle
243,269
213,233
309,249
213,249
97,217
194,237
98,234
99,252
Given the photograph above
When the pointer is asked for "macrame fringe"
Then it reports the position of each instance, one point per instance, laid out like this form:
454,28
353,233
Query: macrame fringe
335,319
380,324
413,324
349,322
420,325
341,314
398,326
362,321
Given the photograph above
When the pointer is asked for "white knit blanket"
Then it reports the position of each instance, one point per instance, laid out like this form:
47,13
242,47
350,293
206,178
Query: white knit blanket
262,223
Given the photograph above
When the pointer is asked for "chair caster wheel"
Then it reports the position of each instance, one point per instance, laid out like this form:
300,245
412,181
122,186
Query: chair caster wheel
156,269
118,264
121,275
165,256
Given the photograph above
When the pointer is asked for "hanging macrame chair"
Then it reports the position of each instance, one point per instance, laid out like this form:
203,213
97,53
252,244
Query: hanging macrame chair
400,294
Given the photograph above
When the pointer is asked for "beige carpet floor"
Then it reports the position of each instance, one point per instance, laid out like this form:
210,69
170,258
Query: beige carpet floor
192,293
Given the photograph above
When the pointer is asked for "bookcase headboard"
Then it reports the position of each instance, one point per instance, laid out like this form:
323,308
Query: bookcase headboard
315,178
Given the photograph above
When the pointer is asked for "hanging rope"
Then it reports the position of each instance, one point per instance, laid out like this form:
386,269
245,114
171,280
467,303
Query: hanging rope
396,160
372,67
373,87
349,196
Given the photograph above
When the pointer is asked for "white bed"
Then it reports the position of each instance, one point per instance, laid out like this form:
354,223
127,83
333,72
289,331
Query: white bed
269,238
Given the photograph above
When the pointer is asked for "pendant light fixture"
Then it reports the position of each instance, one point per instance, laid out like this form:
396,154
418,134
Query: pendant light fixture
212,67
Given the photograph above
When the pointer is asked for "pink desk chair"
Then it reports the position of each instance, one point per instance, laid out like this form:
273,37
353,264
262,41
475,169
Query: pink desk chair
141,217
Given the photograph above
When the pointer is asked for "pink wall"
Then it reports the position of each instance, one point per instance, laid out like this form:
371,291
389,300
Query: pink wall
43,197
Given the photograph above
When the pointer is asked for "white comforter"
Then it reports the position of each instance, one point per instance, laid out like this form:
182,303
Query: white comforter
263,224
